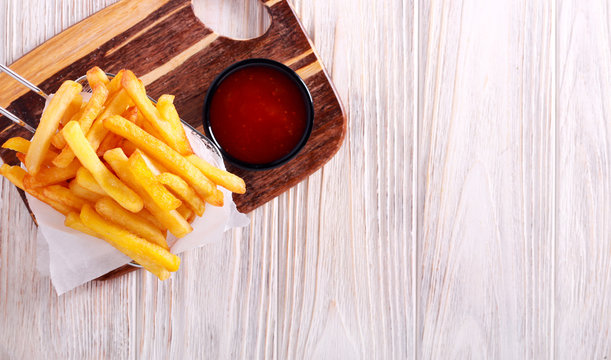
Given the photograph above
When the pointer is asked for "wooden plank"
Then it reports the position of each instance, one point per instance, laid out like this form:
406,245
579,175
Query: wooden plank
583,250
485,173
345,260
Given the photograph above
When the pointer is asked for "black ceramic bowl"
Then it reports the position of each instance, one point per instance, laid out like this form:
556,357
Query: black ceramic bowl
305,93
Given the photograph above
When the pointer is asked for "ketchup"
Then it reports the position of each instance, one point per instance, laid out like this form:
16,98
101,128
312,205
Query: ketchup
258,114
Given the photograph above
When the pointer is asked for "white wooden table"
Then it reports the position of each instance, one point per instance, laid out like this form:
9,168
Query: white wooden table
466,216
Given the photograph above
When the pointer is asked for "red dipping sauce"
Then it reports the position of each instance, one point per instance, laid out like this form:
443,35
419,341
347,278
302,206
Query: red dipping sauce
258,114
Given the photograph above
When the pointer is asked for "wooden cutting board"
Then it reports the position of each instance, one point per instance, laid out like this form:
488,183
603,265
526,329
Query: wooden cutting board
167,46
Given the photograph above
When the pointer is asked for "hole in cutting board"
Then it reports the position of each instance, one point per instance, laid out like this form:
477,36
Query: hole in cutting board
237,19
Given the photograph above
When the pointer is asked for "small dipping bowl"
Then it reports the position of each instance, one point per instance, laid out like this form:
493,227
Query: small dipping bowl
259,113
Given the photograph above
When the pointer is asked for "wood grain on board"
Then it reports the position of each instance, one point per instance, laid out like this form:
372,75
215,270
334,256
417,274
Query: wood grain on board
166,45
485,175
583,185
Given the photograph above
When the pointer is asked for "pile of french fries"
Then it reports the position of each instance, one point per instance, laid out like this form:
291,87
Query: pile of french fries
119,167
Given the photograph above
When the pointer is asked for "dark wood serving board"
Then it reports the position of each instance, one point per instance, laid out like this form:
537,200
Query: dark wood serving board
166,45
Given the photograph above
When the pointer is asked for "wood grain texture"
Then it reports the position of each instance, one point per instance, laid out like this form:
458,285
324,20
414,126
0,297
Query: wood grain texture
583,250
345,266
174,52
485,175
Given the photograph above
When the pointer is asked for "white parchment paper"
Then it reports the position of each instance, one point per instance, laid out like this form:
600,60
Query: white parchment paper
72,258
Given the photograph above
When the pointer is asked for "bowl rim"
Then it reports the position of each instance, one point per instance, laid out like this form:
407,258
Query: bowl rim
297,80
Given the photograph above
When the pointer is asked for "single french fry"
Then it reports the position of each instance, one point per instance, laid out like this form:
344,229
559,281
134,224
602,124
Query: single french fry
97,132
83,193
216,198
123,239
167,156
165,106
87,181
106,179
73,220
49,123
53,175
115,84
57,140
18,144
63,195
183,191
170,220
96,76
14,174
159,271
73,108
170,129
94,107
160,195
112,211
220,177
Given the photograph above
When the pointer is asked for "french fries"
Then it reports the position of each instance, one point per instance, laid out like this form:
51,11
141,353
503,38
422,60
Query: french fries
146,215
170,220
186,213
115,83
21,146
97,132
126,241
223,178
14,174
179,187
72,110
18,144
77,164
96,77
73,220
83,193
170,129
87,181
63,195
107,180
49,122
167,156
53,175
112,211
145,177
58,206
17,175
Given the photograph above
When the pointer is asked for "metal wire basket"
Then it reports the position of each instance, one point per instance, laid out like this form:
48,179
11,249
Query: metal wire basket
86,88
